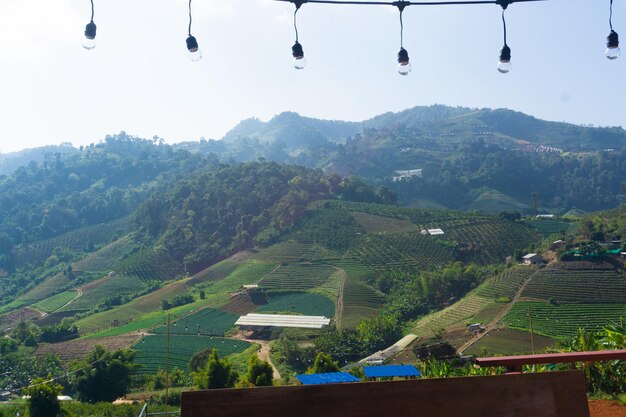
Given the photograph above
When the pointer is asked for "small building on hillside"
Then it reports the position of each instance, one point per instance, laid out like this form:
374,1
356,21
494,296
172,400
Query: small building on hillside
409,173
432,232
532,259
545,216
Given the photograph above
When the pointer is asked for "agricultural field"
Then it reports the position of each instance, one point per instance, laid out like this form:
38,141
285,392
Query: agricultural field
379,224
507,283
79,348
298,303
77,240
456,316
99,290
292,251
150,265
239,304
403,251
151,350
551,227
509,342
14,317
56,301
45,289
207,321
578,283
104,258
298,277
145,311
562,320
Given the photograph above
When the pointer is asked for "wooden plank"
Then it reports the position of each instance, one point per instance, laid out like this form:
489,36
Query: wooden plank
552,394
594,356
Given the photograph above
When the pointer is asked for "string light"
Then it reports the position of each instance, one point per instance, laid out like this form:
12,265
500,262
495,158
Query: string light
612,41
404,67
299,61
90,32
195,54
504,63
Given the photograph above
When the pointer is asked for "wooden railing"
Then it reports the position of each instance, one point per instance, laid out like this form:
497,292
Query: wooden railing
515,363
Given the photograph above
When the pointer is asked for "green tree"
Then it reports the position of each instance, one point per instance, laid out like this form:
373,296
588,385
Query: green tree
43,401
323,364
218,373
260,373
103,375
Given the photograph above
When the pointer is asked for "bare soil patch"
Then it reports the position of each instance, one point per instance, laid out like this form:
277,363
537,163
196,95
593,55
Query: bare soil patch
79,348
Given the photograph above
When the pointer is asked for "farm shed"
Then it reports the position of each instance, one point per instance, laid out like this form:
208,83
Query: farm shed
266,321
532,259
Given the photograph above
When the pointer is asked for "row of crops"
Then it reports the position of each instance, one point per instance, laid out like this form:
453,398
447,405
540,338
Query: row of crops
578,285
151,350
403,251
298,277
56,301
298,303
505,284
207,321
563,320
149,265
96,292
77,240
104,258
292,251
551,227
456,315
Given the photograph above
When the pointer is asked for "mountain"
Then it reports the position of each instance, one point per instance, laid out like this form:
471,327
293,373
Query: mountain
9,162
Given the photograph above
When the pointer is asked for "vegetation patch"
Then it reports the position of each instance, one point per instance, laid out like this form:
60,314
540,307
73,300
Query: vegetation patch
509,342
379,224
298,303
298,277
207,321
563,320
551,227
151,350
104,258
56,301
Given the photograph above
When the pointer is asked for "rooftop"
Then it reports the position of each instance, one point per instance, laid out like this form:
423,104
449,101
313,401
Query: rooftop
280,320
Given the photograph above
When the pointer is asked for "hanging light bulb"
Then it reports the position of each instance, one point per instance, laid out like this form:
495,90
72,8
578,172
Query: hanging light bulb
299,61
504,63
404,66
89,42
612,41
195,54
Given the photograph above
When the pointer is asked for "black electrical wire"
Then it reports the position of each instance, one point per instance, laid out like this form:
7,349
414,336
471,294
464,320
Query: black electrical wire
189,17
611,15
504,25
91,11
295,24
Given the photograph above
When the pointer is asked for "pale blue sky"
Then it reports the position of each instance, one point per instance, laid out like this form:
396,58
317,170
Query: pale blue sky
139,79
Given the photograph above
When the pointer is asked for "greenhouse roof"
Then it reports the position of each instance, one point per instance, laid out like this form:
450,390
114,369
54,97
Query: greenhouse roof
279,320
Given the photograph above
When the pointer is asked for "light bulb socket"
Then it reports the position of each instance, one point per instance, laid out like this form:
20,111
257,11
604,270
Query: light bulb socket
90,30
612,41
192,44
297,51
505,54
403,57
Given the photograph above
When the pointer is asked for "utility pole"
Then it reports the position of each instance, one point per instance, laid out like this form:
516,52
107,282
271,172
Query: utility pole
167,362
532,336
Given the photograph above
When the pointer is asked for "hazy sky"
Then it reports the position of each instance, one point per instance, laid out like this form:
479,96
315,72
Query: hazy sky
139,78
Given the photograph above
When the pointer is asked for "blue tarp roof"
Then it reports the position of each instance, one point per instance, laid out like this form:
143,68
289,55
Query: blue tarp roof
384,371
328,378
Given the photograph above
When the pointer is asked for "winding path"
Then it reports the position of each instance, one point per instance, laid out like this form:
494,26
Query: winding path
79,293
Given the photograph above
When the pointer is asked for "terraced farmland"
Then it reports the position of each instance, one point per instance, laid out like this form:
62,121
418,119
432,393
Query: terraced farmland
95,292
75,240
207,321
151,350
302,303
239,304
590,284
505,284
562,320
458,315
292,251
403,251
103,259
551,227
56,301
491,240
45,289
298,277
379,224
150,265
